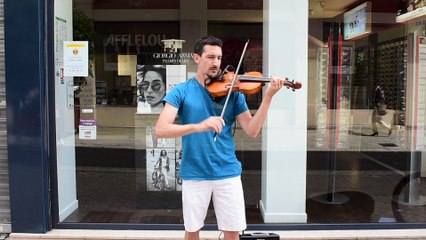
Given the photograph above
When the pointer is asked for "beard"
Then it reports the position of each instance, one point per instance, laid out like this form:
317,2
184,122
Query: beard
214,73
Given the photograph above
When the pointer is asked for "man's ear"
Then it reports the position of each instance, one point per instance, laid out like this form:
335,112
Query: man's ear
196,58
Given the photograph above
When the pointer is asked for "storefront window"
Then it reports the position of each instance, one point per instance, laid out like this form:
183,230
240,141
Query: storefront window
364,159
138,59
365,118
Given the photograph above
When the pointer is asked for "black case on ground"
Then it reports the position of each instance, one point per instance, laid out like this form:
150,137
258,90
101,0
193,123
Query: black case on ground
260,236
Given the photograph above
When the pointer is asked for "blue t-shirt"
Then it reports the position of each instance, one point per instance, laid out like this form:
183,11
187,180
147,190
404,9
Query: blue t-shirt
202,157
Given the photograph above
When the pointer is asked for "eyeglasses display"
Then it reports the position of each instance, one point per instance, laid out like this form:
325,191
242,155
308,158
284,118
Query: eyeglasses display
391,73
385,66
360,79
101,92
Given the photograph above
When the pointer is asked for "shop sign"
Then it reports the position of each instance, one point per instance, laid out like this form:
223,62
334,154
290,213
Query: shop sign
87,129
357,22
134,39
173,58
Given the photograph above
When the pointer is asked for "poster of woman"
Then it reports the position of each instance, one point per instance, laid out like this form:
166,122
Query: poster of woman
151,87
160,169
153,82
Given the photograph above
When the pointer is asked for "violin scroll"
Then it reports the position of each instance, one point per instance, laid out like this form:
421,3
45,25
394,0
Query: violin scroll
292,84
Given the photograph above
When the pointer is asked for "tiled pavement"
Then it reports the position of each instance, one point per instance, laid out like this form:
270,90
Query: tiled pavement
214,235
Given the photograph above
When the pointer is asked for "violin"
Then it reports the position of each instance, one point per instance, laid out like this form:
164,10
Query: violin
248,83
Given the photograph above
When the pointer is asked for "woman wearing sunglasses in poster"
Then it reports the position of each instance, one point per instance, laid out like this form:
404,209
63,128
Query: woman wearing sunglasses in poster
151,82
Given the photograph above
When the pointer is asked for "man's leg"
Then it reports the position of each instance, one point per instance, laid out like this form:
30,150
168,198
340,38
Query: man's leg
229,206
192,235
231,235
196,197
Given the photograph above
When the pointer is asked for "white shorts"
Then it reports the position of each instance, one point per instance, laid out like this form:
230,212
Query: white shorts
228,203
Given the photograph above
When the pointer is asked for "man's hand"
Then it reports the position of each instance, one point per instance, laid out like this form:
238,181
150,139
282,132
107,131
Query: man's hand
275,85
212,123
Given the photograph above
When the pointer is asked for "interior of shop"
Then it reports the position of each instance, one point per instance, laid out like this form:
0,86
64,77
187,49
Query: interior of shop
361,167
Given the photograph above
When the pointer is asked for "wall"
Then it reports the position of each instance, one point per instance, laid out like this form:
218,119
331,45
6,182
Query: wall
4,174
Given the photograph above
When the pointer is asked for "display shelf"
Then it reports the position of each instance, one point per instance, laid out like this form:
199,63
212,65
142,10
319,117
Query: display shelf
101,93
392,74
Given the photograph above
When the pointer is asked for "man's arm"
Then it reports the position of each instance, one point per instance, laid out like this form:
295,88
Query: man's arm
253,124
166,128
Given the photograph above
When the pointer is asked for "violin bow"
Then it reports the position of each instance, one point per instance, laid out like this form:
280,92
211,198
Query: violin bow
232,84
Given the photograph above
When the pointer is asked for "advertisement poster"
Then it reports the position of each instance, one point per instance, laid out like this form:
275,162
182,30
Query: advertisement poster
161,169
357,22
154,82
76,59
162,163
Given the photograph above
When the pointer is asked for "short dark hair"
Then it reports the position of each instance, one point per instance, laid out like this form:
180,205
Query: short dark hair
206,40
160,69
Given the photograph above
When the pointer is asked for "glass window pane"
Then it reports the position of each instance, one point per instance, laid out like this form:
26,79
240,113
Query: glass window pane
365,114
141,50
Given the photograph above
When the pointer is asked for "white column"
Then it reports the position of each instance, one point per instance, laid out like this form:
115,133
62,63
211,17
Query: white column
65,136
193,25
285,40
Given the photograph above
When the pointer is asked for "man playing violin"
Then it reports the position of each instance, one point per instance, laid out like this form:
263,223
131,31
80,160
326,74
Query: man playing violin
209,167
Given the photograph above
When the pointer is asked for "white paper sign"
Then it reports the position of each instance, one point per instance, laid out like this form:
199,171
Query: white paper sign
87,129
87,132
76,58
70,94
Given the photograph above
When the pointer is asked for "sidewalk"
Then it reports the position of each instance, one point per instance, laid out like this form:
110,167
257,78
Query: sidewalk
214,235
